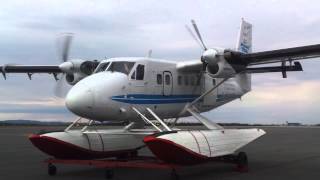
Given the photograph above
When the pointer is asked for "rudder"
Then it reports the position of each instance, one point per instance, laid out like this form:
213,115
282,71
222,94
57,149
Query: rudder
244,43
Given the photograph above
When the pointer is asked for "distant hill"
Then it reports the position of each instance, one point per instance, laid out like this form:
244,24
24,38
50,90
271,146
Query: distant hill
51,123
60,123
32,122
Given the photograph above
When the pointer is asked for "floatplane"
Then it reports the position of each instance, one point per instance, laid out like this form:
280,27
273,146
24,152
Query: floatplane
145,90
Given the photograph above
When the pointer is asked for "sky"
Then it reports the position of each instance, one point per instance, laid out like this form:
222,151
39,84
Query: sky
29,32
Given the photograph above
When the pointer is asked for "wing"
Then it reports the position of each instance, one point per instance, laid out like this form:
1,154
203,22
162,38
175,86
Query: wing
30,69
260,58
192,66
281,55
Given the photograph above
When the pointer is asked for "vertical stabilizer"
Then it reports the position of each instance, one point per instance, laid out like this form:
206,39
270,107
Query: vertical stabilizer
244,43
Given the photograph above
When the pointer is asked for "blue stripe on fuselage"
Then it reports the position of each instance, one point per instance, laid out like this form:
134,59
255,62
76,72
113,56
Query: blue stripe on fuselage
154,99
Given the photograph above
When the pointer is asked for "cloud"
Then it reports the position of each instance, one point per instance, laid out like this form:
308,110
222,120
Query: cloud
267,103
51,102
303,94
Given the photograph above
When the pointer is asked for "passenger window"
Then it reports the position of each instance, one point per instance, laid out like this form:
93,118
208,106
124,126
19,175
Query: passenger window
167,79
186,80
159,78
140,72
179,80
191,80
198,80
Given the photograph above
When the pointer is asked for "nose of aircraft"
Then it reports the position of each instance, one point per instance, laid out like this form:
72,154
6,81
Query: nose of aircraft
80,99
91,97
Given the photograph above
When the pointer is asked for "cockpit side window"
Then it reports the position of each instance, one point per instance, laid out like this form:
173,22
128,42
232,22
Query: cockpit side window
121,66
133,76
140,72
102,67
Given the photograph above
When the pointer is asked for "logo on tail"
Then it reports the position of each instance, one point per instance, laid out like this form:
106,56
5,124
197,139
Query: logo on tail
245,37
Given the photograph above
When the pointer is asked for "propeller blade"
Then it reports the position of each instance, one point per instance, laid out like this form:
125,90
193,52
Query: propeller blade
198,33
64,46
58,87
193,36
61,88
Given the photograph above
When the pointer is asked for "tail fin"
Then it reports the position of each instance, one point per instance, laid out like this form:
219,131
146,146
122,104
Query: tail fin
244,43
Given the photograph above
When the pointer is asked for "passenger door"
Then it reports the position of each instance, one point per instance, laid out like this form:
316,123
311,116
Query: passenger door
167,83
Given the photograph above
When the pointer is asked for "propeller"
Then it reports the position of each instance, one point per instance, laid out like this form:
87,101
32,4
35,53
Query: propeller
209,55
195,27
65,42
63,46
193,36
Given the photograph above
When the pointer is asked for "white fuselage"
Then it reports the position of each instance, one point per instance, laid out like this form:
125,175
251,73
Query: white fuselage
108,95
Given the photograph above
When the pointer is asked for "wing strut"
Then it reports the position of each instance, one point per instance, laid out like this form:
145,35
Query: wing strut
158,119
207,92
283,69
206,122
166,127
191,109
72,124
144,118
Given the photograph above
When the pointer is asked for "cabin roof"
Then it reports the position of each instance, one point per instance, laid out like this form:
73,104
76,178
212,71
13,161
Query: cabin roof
140,59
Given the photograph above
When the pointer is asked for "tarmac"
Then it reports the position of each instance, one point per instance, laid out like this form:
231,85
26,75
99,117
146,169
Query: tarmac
283,153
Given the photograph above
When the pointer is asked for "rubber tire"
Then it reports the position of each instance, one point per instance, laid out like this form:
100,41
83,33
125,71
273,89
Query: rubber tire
52,170
109,174
242,159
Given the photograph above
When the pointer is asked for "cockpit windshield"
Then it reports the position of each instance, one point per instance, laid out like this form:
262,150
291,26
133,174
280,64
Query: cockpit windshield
121,66
117,66
102,67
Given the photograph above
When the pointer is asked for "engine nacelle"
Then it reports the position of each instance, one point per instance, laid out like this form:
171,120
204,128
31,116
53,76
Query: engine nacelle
216,64
222,69
77,69
72,79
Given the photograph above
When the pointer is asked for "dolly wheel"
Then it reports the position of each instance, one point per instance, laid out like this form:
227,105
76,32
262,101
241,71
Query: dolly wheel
174,175
52,169
242,162
109,174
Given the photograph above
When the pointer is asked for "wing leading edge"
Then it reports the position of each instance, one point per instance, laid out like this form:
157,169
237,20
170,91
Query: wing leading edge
281,55
262,58
30,69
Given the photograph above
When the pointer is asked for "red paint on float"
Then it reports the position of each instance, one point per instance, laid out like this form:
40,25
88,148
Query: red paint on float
171,152
64,150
